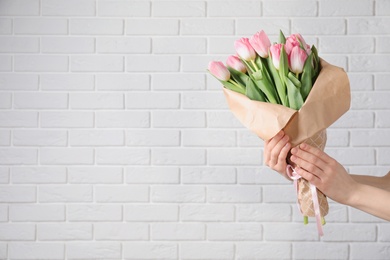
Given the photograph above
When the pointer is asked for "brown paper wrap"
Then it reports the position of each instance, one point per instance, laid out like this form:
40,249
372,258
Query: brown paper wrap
328,100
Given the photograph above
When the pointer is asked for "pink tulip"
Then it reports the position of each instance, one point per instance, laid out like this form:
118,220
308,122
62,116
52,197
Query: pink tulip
244,49
297,59
219,70
235,63
296,40
275,54
261,43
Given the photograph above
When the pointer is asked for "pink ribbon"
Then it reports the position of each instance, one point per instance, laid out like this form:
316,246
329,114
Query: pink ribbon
292,174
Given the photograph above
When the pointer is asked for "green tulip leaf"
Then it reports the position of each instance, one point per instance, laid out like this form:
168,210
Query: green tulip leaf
268,90
294,80
253,92
279,84
282,38
307,76
238,76
294,95
258,75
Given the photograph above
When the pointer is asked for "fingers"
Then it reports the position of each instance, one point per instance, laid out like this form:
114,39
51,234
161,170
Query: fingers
309,158
275,149
315,151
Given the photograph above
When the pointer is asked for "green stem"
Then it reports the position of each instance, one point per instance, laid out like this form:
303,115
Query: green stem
323,222
254,65
305,220
236,84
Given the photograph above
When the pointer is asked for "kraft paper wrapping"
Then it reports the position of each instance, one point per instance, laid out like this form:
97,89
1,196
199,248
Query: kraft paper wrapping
328,100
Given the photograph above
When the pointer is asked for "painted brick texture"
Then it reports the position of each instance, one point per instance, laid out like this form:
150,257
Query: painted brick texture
115,143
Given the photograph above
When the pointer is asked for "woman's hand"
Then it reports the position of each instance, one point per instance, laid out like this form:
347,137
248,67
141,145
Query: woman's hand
275,152
324,172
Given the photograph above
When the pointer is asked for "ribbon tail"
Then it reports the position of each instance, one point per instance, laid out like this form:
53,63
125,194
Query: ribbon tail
316,209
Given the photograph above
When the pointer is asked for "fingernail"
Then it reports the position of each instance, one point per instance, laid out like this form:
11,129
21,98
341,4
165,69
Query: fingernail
302,145
294,150
293,158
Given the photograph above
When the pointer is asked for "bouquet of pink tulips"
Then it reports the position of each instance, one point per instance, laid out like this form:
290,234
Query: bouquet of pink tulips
281,73
270,87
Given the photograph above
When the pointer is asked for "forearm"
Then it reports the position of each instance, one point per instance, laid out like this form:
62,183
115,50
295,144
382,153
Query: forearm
372,200
379,182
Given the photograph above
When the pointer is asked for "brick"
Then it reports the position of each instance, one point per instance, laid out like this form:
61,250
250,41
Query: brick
357,156
382,156
307,250
208,138
43,26
153,137
383,232
65,193
199,63
217,45
35,100
179,194
371,25
347,8
341,232
337,138
319,26
298,8
355,119
179,45
19,7
382,119
17,194
4,175
68,82
40,138
121,231
5,100
64,231
222,119
234,194
259,175
277,194
3,250
370,100
38,175
264,213
36,212
359,216
153,26
96,137
6,63
96,26
66,156
382,7
290,232
126,193
67,119
381,82
18,119
381,44
95,175
359,81
151,212
18,81
152,63
374,251
19,156
249,26
34,250
266,250
207,175
204,100
182,81
68,8
41,63
96,101
207,250
68,45
182,119
181,9
234,9
17,231
150,250
234,156
5,26
94,212
209,26
178,231
94,250
207,213
152,100
123,8
247,138
178,156
97,63
236,231
369,63
123,119
119,82
158,175
346,45
122,156
19,44
3,214
373,138
123,45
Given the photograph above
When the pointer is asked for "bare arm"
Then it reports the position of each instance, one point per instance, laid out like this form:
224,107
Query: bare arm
367,193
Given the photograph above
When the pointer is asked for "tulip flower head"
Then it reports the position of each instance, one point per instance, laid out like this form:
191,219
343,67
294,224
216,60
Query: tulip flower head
235,63
275,51
261,43
297,59
296,40
244,49
219,70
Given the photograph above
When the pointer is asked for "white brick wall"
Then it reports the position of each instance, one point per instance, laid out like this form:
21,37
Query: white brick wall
116,144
